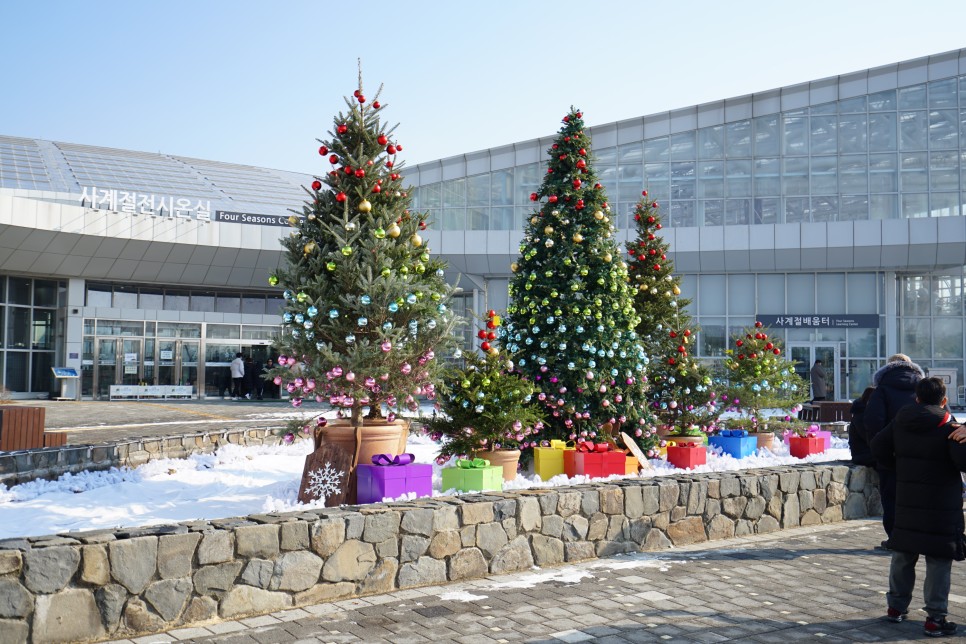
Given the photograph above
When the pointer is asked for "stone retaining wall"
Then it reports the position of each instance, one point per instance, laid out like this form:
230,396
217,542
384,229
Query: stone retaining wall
120,583
50,463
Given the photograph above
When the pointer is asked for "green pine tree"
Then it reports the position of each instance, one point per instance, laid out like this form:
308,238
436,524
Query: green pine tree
680,391
571,325
366,312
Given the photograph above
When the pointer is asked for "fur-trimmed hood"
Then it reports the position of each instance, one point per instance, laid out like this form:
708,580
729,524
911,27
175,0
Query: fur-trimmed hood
898,374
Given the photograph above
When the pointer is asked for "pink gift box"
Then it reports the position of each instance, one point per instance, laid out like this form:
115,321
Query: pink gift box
377,482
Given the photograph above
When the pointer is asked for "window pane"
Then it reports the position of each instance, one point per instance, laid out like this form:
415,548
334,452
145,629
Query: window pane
501,218
16,371
882,132
125,297
914,338
853,176
944,171
796,135
771,294
883,175
851,105
943,129
767,136
944,204
227,303
912,130
947,295
824,139
630,182
682,181
738,139
19,291
912,97
606,155
831,288
862,342
250,332
202,301
179,330
220,332
18,327
454,193
737,211
99,295
738,182
825,175
914,295
883,101
274,305
711,179
501,188
712,298
682,146
741,295
853,137
796,210
682,213
454,219
825,208
766,210
795,176
803,288
150,298
853,208
253,304
883,206
915,205
41,377
914,171
711,337
526,180
712,212
767,177
42,332
478,218
177,301
45,293
656,150
478,190
711,142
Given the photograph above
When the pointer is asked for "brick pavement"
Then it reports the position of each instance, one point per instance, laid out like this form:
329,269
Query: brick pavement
822,584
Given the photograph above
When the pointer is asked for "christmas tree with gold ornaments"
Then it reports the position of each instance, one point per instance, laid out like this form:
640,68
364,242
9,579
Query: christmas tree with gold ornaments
571,327
367,317
680,393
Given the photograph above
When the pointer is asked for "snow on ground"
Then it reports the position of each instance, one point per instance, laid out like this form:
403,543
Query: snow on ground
237,481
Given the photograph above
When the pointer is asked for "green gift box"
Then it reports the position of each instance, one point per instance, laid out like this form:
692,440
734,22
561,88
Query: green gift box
473,476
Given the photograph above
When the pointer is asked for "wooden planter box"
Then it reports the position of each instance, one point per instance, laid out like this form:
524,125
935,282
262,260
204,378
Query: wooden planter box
21,428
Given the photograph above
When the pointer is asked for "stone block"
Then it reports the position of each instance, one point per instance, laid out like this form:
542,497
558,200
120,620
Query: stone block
788,481
216,547
200,609
552,526
510,527
352,561
514,556
791,512
47,570
668,494
505,509
836,493
712,508
755,508
744,527
257,541
639,528
216,579
749,485
388,548
579,551
381,579
767,524
656,540
633,502
327,535
446,518
805,500
568,503
175,554
468,536
468,563
811,517
697,495
854,507
721,527
110,601
11,562
380,527
68,616
548,503
323,593
734,507
590,502
529,518
355,523
296,571
547,551
617,526
418,522
95,567
730,486
714,487
412,547
247,600
134,562
768,484
258,573
480,512
445,544
840,473
169,597
832,514
294,536
422,572
575,528
819,500
661,520
612,500
15,600
13,631
807,480
687,531
490,538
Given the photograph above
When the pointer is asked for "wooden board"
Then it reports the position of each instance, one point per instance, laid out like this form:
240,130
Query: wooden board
327,475
636,451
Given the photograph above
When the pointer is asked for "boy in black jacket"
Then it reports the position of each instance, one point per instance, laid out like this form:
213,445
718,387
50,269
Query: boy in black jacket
929,503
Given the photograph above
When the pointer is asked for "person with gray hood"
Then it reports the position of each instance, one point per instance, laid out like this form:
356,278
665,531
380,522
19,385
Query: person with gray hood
895,387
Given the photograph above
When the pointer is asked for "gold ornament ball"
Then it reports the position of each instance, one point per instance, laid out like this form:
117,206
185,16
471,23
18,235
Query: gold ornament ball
677,291
416,240
308,248
293,220
548,230
494,351
578,238
514,267
607,257
365,206
598,215
534,220
393,231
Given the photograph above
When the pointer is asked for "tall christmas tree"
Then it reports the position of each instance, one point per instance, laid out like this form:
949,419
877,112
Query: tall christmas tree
366,306
680,393
571,325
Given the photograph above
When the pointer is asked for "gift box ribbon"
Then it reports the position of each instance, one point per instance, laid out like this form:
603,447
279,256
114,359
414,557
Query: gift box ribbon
676,444
735,433
472,464
389,459
556,444
588,447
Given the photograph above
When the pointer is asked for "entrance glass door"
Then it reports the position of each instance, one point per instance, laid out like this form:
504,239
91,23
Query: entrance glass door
805,355
131,354
178,362
105,368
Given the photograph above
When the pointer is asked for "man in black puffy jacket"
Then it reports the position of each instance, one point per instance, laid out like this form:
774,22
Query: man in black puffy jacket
858,445
895,387
929,504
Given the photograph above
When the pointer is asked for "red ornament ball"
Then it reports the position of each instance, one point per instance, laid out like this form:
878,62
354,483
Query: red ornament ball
376,105
333,159
323,151
485,346
580,114
316,185
481,334
739,343
391,149
650,219
687,333
577,184
643,193
758,325
673,334
653,204
566,119
399,147
491,336
377,188
552,198
356,93
340,196
580,204
342,129
581,163
598,186
382,139
582,152
681,349
533,196
362,99
360,173
657,267
776,351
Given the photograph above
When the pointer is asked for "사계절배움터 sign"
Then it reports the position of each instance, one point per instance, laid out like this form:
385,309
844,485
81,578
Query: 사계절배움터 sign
821,321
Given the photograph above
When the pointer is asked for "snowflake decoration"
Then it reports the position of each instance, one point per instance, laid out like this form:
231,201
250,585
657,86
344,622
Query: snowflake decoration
325,482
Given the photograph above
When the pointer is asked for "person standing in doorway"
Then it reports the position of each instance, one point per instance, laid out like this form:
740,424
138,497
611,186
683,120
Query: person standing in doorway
895,387
819,386
237,376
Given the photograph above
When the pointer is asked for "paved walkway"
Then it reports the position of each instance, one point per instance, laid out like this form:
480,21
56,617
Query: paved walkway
821,584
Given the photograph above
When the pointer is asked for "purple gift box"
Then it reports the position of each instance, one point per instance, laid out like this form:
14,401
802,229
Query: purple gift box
377,482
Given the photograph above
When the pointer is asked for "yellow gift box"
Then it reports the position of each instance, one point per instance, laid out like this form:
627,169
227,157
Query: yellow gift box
631,465
548,462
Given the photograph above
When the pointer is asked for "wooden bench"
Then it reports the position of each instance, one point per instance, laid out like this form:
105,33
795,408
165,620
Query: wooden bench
21,428
826,411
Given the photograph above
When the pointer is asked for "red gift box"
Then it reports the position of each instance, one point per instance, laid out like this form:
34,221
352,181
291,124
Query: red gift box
598,460
802,446
687,455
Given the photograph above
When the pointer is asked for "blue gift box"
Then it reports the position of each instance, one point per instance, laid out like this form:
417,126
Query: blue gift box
737,446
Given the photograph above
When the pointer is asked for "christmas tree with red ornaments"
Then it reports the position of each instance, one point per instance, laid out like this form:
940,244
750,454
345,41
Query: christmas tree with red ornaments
571,327
680,393
366,314
759,376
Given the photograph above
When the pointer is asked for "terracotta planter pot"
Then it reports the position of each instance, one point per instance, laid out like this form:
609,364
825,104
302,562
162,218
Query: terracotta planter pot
378,437
765,439
508,458
697,440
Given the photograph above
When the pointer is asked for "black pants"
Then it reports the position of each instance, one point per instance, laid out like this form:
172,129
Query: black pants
887,492
236,387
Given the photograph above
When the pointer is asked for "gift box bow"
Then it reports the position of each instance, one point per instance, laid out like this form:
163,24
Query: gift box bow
688,445
389,459
472,464
557,444
588,447
734,433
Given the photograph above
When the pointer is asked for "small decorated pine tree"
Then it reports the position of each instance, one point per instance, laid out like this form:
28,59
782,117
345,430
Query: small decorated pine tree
486,406
680,393
759,377
366,306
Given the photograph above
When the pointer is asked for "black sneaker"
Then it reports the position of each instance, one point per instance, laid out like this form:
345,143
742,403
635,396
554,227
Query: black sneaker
897,616
940,628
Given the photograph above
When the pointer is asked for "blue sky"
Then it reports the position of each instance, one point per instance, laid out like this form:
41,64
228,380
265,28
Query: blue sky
257,82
